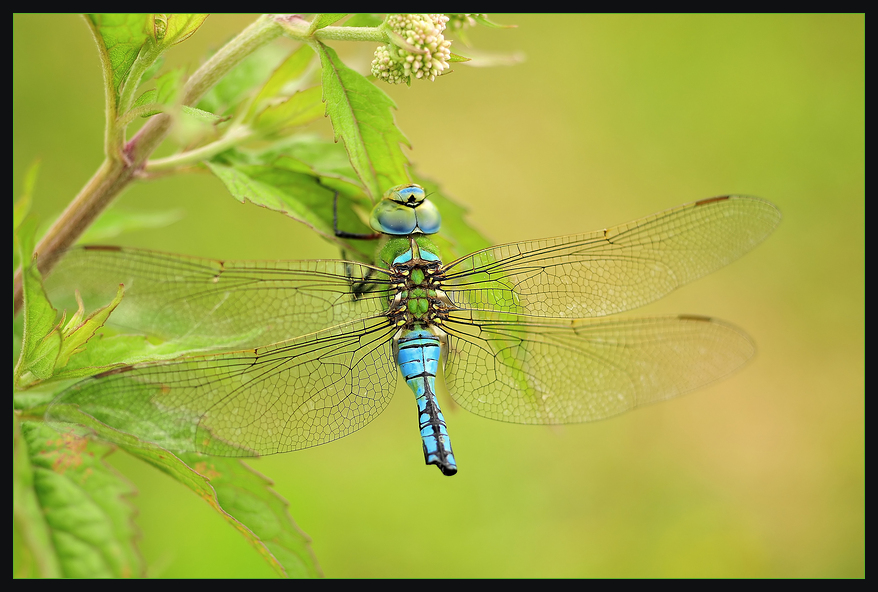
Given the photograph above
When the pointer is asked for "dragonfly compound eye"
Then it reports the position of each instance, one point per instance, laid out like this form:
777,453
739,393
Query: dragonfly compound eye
405,210
409,194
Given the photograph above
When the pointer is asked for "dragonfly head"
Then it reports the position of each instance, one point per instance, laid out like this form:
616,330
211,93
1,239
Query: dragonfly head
405,210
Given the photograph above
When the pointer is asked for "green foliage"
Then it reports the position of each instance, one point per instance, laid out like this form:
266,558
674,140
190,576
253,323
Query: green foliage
361,117
41,337
241,117
73,509
120,38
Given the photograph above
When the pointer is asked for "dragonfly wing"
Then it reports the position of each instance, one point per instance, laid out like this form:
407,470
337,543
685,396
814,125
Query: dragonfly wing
613,270
287,396
235,303
552,371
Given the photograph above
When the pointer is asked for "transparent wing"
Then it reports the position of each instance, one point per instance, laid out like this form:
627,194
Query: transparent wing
247,303
287,396
613,270
553,371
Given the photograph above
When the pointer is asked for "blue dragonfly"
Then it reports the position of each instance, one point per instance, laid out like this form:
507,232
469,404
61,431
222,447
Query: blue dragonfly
521,331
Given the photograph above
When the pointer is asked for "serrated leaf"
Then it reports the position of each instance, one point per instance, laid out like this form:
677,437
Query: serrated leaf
77,505
457,58
361,116
291,187
292,68
247,496
28,519
120,38
79,330
236,85
324,158
301,108
324,20
41,339
238,490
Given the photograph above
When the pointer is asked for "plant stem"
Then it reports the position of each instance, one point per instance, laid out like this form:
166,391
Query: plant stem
107,182
233,137
114,175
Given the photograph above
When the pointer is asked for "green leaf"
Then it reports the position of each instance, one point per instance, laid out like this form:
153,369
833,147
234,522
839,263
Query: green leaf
154,68
457,237
147,98
120,38
72,508
361,116
28,520
202,116
41,339
364,20
104,353
326,159
225,96
170,29
291,69
168,86
247,496
238,494
300,109
292,187
79,330
164,95
324,20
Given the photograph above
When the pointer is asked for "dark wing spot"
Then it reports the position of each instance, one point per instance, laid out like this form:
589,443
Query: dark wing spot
688,317
101,248
711,200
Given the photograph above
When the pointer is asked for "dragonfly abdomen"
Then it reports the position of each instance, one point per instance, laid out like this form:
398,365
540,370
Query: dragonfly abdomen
417,354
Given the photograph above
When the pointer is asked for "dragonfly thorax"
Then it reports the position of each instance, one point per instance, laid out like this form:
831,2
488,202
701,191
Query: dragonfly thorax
419,298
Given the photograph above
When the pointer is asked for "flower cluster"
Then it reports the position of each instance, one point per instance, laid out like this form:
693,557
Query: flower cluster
422,31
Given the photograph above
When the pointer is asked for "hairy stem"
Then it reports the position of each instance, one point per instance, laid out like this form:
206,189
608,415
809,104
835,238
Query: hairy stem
114,175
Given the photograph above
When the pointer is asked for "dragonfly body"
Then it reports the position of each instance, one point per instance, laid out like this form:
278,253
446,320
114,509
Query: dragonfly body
520,331
418,352
418,308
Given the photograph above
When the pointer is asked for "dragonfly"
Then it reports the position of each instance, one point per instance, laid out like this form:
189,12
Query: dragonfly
524,332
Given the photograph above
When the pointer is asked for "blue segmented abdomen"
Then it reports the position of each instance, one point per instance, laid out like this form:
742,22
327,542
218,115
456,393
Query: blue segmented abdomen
418,358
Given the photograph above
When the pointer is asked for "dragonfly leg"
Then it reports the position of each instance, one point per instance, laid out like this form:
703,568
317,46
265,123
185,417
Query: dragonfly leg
358,287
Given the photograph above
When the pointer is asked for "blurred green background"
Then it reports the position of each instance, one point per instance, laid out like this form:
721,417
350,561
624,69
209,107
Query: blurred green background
609,118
